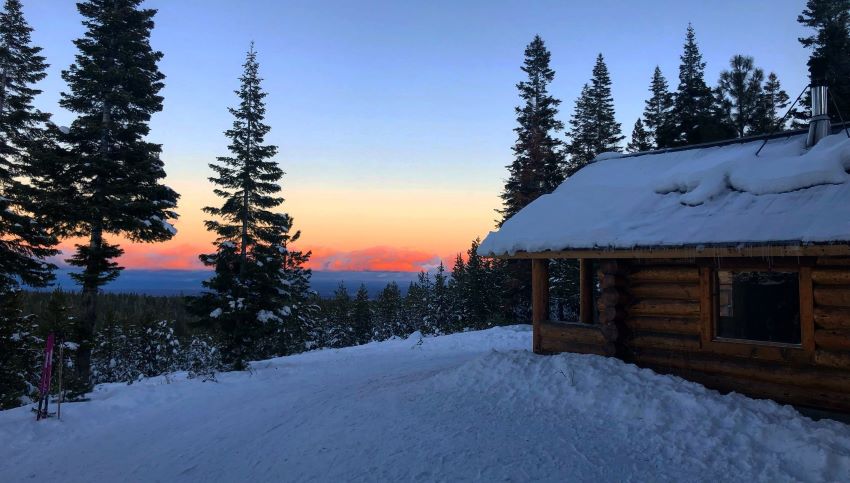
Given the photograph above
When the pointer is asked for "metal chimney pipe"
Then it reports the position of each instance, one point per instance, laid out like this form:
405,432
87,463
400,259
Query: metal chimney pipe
819,125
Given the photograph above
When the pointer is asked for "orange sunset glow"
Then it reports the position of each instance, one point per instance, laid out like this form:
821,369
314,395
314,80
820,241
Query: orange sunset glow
405,230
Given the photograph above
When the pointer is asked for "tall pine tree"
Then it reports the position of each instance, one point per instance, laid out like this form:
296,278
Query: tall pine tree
259,292
740,88
538,166
830,46
25,240
693,117
657,107
594,129
114,172
771,107
361,315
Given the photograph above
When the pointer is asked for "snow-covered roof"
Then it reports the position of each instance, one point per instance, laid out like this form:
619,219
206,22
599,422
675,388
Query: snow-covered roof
716,196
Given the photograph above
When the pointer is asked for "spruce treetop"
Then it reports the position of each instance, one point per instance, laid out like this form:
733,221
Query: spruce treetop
657,107
538,166
830,45
593,126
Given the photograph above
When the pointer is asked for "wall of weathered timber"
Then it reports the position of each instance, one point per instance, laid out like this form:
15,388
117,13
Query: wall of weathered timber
656,314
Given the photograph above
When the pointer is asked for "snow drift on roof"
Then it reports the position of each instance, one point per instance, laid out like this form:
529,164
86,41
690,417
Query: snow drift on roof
723,195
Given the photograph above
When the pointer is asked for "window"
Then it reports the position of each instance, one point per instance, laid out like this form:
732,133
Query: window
761,306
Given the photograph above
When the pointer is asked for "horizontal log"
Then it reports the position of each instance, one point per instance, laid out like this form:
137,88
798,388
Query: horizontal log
831,276
653,262
800,376
832,296
572,332
555,346
611,281
673,291
611,267
832,317
834,261
612,297
664,307
788,394
833,339
675,343
611,314
671,325
665,274
838,360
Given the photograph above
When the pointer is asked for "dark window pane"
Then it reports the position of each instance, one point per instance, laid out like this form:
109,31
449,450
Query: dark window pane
759,306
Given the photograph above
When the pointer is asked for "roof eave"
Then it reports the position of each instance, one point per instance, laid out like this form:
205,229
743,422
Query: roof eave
836,249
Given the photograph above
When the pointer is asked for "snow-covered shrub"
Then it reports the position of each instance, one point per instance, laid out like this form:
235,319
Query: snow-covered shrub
203,359
159,349
114,357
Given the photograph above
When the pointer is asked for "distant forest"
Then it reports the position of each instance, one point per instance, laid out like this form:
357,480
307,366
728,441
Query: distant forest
102,179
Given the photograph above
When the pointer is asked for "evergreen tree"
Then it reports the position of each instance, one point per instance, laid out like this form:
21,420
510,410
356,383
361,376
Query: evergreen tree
830,44
477,288
594,130
657,109
340,330
113,173
441,302
25,240
419,305
693,118
771,107
564,289
260,290
641,139
458,288
582,132
361,314
741,90
539,158
538,166
388,311
19,353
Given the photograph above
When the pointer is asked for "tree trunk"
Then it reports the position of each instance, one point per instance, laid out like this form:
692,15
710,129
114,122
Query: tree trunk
90,289
2,91
243,260
88,320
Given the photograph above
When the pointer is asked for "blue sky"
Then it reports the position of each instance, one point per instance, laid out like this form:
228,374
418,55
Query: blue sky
395,119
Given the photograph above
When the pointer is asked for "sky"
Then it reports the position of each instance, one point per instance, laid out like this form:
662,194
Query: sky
395,119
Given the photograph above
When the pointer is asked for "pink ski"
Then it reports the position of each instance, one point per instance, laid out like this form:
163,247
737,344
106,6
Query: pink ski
46,372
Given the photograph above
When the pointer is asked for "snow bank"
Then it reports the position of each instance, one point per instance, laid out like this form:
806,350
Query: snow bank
471,406
719,195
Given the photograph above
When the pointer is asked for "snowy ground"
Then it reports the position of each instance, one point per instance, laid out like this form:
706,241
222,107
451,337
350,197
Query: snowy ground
474,406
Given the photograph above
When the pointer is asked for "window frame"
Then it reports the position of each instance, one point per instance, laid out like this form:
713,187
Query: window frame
766,350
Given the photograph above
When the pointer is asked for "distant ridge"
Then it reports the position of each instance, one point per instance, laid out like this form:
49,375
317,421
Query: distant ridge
188,282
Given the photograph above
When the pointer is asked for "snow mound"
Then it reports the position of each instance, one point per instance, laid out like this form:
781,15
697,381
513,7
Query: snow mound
722,195
734,170
470,406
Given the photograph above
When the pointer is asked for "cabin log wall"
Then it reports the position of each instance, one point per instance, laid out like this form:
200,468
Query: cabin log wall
667,322
651,313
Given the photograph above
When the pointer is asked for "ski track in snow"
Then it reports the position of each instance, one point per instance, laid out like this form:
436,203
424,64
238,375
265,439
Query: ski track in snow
471,406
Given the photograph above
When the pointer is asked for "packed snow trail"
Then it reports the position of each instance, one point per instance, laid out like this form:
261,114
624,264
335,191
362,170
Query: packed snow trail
472,406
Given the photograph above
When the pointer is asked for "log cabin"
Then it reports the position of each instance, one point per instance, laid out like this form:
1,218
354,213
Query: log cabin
727,264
